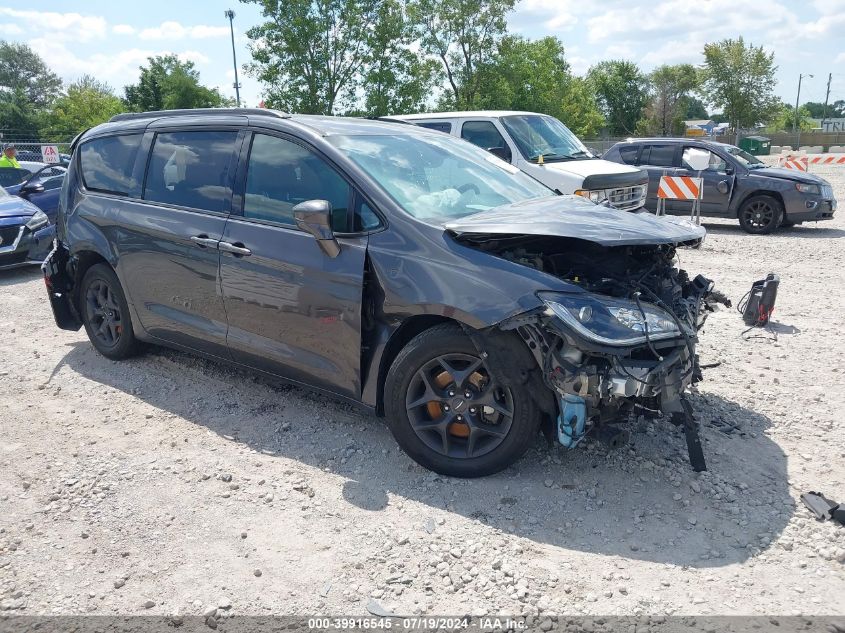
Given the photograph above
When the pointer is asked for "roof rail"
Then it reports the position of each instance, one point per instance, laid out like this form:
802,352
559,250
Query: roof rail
129,116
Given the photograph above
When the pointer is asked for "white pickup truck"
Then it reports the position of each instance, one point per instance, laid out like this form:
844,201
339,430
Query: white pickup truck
545,149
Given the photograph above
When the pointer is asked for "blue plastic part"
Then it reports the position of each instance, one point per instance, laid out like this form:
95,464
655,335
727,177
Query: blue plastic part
572,420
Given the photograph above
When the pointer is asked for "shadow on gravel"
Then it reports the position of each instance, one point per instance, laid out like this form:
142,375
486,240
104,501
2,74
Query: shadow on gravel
814,231
12,276
643,502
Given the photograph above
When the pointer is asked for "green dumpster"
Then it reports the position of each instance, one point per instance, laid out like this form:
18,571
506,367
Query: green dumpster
757,145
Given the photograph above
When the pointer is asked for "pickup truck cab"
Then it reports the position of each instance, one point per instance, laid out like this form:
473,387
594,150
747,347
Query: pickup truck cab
545,149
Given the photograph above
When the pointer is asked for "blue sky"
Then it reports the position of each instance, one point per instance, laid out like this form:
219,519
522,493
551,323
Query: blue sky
110,40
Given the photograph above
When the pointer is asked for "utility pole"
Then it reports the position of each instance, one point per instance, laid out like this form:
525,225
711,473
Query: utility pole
826,97
231,15
795,126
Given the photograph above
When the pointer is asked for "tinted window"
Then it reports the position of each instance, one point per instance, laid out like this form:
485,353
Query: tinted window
192,169
281,174
107,163
628,154
440,126
658,155
482,133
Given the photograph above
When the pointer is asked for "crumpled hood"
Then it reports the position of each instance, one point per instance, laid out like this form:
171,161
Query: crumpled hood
574,217
14,207
788,174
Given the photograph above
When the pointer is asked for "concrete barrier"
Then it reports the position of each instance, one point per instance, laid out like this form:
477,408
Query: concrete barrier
837,149
775,149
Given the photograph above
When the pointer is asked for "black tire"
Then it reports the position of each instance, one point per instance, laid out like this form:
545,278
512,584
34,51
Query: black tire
105,313
488,439
760,215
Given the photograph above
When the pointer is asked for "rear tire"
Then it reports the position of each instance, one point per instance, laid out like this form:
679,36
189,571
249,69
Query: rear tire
448,412
760,215
105,313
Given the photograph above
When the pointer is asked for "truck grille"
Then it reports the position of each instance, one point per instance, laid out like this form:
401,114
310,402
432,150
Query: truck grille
627,198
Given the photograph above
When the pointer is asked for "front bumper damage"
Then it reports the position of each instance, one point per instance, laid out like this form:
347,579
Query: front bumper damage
599,388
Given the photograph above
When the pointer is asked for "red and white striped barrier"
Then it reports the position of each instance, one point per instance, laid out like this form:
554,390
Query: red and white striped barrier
832,159
679,188
799,163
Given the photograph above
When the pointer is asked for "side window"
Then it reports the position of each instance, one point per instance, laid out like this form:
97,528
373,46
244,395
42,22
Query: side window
482,133
715,162
192,169
107,163
628,154
365,218
281,174
53,183
440,126
658,155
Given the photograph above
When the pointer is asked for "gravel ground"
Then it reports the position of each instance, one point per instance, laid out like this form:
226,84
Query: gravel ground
170,484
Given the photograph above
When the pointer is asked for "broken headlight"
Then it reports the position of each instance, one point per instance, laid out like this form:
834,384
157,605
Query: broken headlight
611,321
37,221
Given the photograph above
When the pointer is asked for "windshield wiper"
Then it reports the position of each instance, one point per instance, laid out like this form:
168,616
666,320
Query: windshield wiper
550,156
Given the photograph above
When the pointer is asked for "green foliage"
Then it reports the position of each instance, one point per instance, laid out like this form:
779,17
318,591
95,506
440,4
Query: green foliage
783,119
311,53
671,87
622,92
22,71
463,35
835,110
739,78
18,116
168,83
533,75
695,109
86,103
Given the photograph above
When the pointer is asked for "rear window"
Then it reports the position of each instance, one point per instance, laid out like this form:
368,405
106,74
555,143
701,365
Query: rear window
192,169
107,163
440,126
658,155
628,154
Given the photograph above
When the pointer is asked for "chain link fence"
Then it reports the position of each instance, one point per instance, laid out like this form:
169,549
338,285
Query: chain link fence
31,150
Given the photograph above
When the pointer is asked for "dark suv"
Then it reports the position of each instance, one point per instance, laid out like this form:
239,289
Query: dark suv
736,184
398,268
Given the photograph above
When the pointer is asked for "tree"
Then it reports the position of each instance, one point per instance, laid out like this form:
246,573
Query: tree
534,75
740,79
23,70
86,103
835,110
168,83
463,35
622,92
395,80
672,86
783,118
695,109
18,117
311,53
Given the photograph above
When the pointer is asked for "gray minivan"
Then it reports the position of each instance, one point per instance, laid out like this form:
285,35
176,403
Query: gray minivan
388,265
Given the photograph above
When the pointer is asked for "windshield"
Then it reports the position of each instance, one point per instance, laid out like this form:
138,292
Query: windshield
744,158
437,177
545,136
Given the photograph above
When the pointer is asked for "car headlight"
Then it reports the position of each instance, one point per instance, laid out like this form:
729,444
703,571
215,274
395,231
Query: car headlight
37,221
806,188
596,196
611,321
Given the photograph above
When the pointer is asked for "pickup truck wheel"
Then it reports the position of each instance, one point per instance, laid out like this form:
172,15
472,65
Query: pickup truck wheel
449,413
760,215
105,313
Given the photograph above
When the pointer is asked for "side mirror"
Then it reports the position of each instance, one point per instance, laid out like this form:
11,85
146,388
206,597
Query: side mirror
729,170
32,188
315,217
501,152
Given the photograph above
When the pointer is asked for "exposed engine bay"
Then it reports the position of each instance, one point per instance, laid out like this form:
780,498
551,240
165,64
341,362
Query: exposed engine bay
623,342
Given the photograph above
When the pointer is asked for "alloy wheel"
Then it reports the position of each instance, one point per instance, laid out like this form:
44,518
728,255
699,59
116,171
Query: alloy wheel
456,407
103,313
759,215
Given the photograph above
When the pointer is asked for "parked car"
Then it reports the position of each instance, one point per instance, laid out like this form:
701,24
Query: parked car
545,149
26,233
395,267
735,185
42,189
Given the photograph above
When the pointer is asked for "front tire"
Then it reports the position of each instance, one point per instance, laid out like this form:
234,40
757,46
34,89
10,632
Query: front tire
105,313
448,411
760,215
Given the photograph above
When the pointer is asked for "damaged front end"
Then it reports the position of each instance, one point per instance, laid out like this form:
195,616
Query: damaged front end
622,341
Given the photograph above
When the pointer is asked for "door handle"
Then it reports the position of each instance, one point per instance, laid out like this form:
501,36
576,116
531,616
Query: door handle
237,249
203,241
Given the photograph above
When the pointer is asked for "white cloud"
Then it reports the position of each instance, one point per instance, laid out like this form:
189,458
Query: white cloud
64,26
840,59
175,31
557,16
191,56
11,29
123,29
